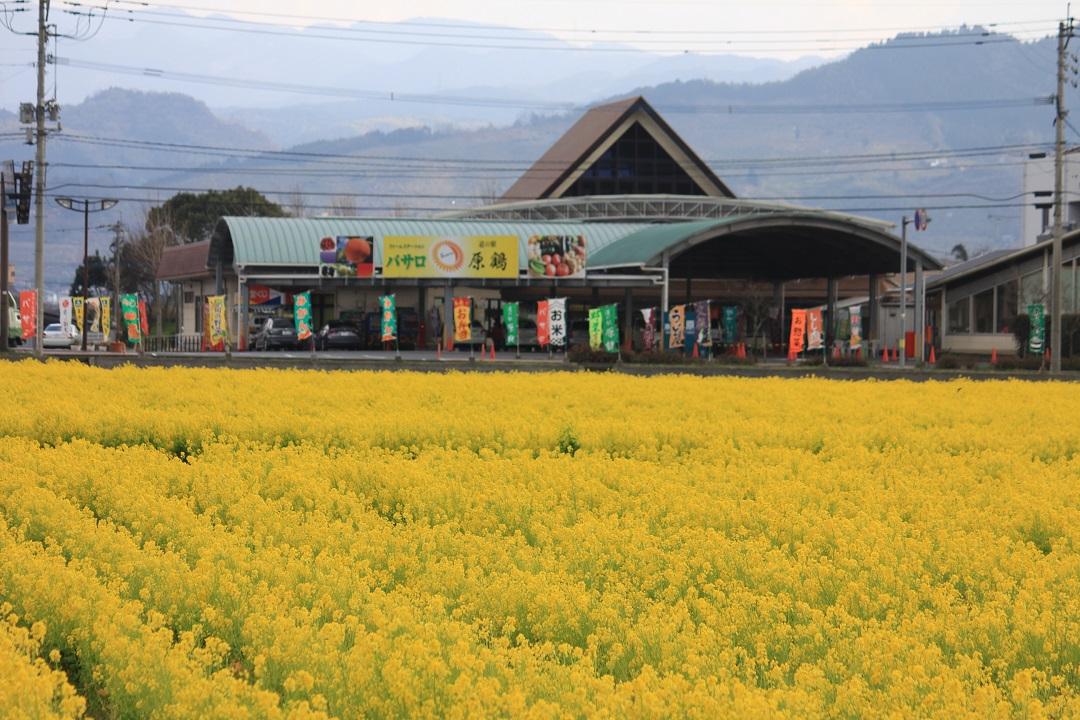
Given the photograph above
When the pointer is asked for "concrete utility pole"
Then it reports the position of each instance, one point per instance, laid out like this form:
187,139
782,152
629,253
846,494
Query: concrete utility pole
39,183
1064,33
902,343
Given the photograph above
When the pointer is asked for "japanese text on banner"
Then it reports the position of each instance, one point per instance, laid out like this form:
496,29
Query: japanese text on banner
611,328
596,328
510,322
129,311
28,313
815,338
677,326
648,333
543,324
388,311
462,319
557,321
856,328
302,315
798,331
471,256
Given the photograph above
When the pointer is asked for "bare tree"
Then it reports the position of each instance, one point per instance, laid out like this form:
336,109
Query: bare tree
759,308
343,206
296,203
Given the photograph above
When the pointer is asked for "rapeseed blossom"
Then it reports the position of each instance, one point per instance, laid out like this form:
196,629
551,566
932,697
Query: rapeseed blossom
295,544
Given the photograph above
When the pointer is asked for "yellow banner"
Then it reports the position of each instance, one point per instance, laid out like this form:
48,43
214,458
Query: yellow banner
106,315
472,256
219,327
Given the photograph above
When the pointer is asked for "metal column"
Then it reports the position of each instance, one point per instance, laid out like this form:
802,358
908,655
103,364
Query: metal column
920,313
781,316
872,320
664,293
830,325
628,323
242,315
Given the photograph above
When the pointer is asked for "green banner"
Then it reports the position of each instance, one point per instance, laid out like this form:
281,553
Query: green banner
1037,336
596,328
388,309
611,328
731,323
302,315
510,322
129,309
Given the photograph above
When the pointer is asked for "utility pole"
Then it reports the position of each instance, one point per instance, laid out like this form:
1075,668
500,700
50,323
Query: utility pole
39,184
1064,33
902,343
117,228
5,313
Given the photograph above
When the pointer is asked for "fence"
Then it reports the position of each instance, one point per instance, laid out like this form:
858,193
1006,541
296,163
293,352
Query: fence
173,343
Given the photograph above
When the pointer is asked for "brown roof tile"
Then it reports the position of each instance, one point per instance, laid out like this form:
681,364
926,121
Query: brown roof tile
184,261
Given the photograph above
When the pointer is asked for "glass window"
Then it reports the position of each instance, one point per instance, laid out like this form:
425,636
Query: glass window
983,304
1008,295
1068,289
1031,290
960,316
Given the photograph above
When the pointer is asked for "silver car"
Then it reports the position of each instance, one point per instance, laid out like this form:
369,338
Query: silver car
56,335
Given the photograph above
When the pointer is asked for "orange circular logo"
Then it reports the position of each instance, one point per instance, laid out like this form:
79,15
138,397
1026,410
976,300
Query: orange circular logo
448,256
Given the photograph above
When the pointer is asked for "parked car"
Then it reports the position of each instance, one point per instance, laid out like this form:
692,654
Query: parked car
408,327
275,334
527,337
14,320
56,335
340,335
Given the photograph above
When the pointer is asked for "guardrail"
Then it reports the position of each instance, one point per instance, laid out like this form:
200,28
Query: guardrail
172,343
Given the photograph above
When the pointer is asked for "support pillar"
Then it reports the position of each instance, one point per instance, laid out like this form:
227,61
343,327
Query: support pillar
628,321
781,316
242,315
422,313
448,314
831,324
873,322
219,278
920,313
665,298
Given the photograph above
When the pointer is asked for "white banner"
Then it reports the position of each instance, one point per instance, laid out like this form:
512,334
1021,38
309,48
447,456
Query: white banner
557,318
65,313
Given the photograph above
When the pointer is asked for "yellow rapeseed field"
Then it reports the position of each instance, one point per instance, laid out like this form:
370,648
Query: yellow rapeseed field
300,544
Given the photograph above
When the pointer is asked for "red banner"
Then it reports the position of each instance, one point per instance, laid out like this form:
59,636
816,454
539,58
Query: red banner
815,330
543,324
462,319
28,312
798,331
144,322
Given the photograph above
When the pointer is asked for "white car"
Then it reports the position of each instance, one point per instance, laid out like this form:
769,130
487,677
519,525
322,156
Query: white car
55,336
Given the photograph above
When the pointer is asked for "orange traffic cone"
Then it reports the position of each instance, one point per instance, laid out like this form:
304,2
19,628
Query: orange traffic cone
993,356
492,351
933,357
836,352
742,351
694,353
885,355
791,356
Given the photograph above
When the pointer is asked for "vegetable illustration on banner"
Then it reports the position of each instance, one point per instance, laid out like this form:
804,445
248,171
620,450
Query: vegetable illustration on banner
543,324
814,334
510,322
798,331
219,326
129,311
302,315
78,310
596,328
557,321
462,319
855,342
556,256
28,313
648,333
676,326
388,310
1037,336
347,256
610,314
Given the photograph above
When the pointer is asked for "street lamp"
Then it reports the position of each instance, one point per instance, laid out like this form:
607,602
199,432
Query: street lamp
85,206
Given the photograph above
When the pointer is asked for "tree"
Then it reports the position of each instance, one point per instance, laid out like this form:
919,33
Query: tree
98,278
192,217
960,253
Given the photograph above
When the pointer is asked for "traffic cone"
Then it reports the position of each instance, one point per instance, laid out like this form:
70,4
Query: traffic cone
694,353
933,357
993,356
791,356
742,351
492,351
836,352
885,354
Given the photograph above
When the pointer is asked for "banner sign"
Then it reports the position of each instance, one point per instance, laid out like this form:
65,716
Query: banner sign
798,330
144,318
347,256
543,324
557,321
28,313
677,326
78,310
648,333
93,315
462,319
106,315
65,313
129,310
703,322
1037,336
814,330
610,313
261,295
302,315
596,328
471,256
510,323
856,328
388,308
557,256
731,323
219,321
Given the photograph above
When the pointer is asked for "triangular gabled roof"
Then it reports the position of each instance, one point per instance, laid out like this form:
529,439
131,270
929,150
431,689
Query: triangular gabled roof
597,129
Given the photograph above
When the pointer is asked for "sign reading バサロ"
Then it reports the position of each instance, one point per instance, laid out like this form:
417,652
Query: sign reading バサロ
557,256
347,256
472,256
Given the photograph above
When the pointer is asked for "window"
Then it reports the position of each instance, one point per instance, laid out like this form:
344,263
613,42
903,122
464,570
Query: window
1008,295
189,297
960,316
983,304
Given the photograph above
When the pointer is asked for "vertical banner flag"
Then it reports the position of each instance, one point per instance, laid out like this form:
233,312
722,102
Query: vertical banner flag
462,319
543,324
219,321
648,333
93,315
798,330
65,313
596,328
144,318
388,308
302,315
731,323
689,328
557,321
1037,336
677,324
106,315
815,337
77,310
510,323
28,312
611,327
129,310
704,323
856,328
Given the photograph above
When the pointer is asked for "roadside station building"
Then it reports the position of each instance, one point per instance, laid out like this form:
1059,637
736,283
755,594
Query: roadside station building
619,210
